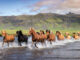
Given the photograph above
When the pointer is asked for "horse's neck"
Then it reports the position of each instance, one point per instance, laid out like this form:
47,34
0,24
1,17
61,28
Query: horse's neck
5,36
20,35
34,34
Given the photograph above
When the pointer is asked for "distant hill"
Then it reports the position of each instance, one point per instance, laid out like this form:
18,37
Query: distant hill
40,21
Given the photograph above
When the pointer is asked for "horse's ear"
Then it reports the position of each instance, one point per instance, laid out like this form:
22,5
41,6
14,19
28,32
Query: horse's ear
20,30
33,29
3,31
30,28
51,31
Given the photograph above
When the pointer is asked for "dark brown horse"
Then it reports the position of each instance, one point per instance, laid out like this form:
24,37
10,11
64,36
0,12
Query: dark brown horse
50,36
7,38
37,37
59,35
21,38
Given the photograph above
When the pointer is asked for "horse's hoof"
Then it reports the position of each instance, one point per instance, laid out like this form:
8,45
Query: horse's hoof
36,47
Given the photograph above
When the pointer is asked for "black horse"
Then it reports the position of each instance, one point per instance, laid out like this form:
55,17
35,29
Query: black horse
21,38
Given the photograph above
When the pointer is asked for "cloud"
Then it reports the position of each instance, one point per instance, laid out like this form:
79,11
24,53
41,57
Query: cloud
71,4
45,3
58,6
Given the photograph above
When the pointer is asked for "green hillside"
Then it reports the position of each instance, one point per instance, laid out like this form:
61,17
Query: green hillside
40,21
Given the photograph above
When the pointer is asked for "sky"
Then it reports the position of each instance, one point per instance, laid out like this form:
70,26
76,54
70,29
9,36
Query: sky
32,7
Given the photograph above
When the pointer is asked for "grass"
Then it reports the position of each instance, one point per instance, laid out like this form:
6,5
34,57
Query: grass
70,30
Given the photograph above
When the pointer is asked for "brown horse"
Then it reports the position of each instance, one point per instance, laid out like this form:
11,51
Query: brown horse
59,35
75,36
7,38
50,36
36,37
67,35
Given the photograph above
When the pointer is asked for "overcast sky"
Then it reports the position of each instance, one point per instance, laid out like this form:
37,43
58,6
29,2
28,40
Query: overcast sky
19,7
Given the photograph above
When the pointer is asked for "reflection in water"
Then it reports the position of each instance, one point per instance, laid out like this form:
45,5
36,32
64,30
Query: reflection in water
60,50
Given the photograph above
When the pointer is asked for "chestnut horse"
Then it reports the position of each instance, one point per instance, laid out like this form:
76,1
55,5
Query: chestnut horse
50,36
7,38
67,35
59,35
75,36
36,37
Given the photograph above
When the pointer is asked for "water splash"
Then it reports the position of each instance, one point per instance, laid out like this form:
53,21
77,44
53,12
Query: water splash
40,46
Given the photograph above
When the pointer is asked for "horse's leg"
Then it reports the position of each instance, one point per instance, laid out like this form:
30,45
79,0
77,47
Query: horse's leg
32,43
42,42
20,44
12,43
2,43
45,43
26,42
36,45
8,44
50,42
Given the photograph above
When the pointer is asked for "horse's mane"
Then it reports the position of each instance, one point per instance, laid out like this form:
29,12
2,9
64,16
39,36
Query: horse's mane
34,33
20,33
48,30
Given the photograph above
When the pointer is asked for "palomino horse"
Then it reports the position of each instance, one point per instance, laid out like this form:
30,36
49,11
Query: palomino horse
67,35
75,36
59,35
37,37
21,37
50,36
7,38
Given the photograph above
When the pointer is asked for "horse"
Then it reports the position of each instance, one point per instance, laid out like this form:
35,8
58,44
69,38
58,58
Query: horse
67,35
37,37
78,34
7,38
21,38
75,36
59,35
50,36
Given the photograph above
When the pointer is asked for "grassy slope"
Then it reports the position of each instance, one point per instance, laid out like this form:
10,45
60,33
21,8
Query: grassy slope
40,21
64,23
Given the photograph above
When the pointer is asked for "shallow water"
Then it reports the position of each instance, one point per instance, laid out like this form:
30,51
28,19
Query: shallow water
59,50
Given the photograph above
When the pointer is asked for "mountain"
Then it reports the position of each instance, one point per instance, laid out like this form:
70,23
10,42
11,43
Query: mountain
40,21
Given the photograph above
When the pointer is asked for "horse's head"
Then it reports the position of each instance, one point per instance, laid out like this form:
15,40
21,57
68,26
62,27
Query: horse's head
42,32
78,33
74,34
19,32
3,33
58,33
47,32
67,34
31,31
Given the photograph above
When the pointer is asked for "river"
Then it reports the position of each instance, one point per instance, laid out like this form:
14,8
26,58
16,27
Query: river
59,50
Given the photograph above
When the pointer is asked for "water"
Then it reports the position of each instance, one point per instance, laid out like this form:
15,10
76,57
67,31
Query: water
59,50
